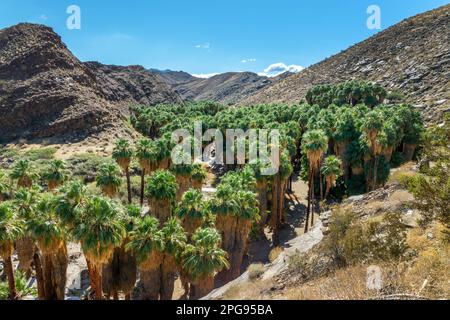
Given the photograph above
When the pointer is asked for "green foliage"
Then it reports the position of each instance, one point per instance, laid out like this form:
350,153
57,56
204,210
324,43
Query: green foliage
11,227
331,166
204,256
122,150
352,240
100,226
174,237
56,172
162,185
431,187
22,288
192,205
145,238
109,175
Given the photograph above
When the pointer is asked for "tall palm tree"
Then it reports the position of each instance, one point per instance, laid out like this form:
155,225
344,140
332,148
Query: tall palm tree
11,228
147,156
331,170
261,189
108,179
99,231
24,172
372,124
55,175
161,191
202,259
146,242
47,228
123,153
314,144
175,239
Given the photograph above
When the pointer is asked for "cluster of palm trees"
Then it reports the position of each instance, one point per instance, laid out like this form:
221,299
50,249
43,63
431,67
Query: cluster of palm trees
334,141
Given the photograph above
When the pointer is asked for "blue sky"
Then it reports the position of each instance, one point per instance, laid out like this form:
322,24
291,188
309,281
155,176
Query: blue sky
210,36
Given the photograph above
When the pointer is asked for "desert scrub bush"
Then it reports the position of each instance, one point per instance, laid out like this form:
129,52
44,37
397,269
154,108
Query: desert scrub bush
86,164
40,154
21,287
255,271
274,253
351,240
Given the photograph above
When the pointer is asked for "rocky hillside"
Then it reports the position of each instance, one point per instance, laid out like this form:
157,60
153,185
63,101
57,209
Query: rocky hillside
46,91
226,88
412,56
174,77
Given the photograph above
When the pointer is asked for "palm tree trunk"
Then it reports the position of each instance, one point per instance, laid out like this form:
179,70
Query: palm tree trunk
262,199
39,276
202,287
10,275
98,282
313,199
308,208
127,174
142,186
375,173
48,279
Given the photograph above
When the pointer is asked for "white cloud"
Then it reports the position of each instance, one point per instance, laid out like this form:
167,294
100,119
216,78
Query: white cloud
248,60
205,75
205,45
278,68
43,17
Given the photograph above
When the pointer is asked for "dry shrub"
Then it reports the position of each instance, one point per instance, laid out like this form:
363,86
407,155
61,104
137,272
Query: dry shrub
274,253
255,271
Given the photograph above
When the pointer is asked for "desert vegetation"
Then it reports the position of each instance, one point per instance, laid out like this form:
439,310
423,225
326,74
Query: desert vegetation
343,141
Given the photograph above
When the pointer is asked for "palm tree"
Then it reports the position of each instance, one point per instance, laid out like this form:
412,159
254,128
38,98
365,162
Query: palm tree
198,176
331,170
10,230
175,239
46,227
55,175
183,170
147,154
3,186
25,201
123,153
372,124
202,259
108,179
261,189
192,210
161,191
99,230
314,144
24,172
146,242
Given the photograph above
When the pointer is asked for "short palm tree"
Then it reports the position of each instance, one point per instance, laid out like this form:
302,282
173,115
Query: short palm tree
99,231
24,172
175,239
331,170
50,233
198,176
192,210
147,244
314,144
56,174
11,228
202,259
109,179
161,191
123,153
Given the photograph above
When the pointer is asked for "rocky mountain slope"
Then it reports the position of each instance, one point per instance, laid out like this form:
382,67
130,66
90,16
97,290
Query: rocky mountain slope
46,91
174,77
226,88
412,56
